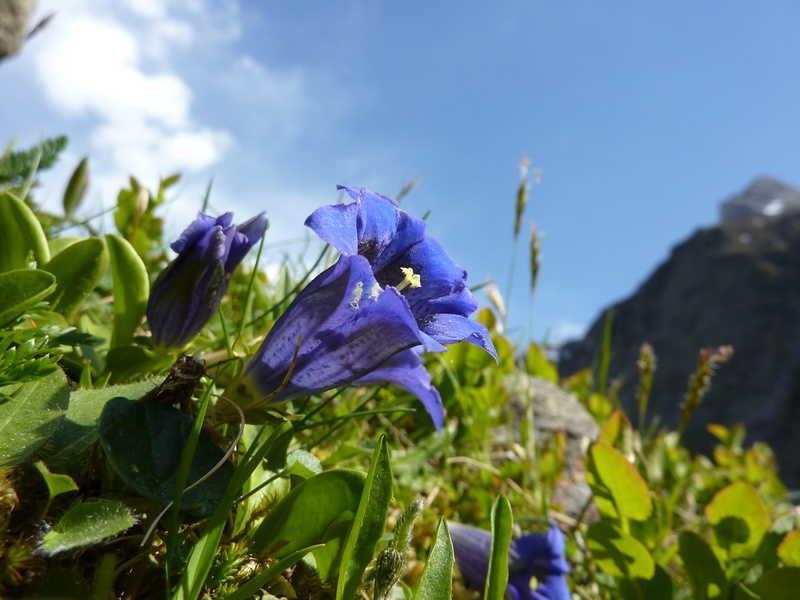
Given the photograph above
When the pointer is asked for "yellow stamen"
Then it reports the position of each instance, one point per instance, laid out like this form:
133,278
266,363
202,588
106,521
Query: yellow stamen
410,279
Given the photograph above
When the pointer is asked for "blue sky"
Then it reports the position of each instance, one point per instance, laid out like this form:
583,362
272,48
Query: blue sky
642,116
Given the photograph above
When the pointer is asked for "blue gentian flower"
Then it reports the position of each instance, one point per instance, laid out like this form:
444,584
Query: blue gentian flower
537,566
342,328
394,242
187,293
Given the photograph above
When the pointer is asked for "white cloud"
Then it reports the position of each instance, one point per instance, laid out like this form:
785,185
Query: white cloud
96,63
91,65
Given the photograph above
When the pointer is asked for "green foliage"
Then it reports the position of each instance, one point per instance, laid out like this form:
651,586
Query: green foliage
368,524
705,573
16,166
143,442
436,581
309,514
76,187
56,483
130,287
77,269
87,523
80,428
739,518
31,415
22,234
497,575
94,419
23,289
614,478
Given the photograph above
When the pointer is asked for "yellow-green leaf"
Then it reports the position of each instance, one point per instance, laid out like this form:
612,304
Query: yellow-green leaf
21,233
131,287
77,269
617,553
789,549
740,519
619,482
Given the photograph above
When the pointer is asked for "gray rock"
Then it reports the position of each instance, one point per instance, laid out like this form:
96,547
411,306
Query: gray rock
765,197
738,284
555,410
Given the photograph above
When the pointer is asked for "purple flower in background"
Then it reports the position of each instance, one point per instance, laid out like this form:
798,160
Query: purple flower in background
342,328
187,293
396,246
535,559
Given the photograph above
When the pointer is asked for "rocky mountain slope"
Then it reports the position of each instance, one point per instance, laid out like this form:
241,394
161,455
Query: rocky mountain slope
736,283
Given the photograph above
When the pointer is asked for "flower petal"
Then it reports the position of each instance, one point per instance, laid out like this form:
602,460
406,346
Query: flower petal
339,329
247,235
406,370
472,547
194,232
544,552
382,231
440,275
337,225
449,329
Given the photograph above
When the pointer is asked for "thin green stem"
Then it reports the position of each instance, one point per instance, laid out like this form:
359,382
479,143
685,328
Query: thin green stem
187,457
248,300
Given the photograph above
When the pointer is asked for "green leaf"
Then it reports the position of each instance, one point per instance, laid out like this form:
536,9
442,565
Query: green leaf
56,483
740,519
58,244
18,165
143,443
789,550
130,286
782,583
619,482
705,573
303,464
537,363
80,428
78,268
305,515
497,576
87,523
22,289
618,553
436,582
368,524
21,233
76,187
31,416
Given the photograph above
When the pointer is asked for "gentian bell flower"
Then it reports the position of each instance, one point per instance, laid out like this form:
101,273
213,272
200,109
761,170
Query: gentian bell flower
396,245
342,328
536,569
187,293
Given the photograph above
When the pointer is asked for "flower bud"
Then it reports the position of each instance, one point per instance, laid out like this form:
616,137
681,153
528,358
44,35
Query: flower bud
189,290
